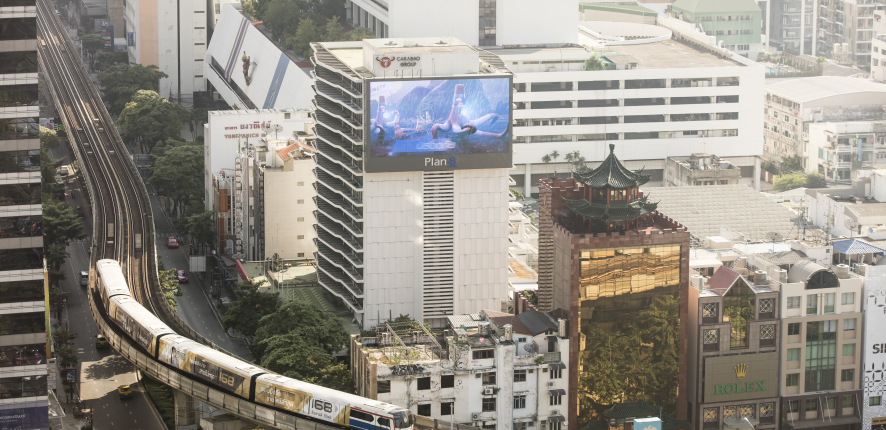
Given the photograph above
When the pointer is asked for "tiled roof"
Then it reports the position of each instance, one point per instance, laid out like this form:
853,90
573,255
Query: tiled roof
286,153
611,173
596,425
670,423
617,212
723,278
468,320
632,410
856,246
537,322
707,210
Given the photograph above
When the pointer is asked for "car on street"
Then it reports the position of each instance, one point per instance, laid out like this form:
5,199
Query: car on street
64,171
125,391
182,276
171,242
101,341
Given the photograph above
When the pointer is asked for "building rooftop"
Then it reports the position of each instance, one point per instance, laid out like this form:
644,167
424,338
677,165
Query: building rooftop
713,6
856,246
805,90
707,210
671,54
784,257
631,9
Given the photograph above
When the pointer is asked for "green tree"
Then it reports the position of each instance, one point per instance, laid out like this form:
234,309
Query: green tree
56,255
179,172
821,59
292,355
790,181
48,138
594,63
555,155
791,163
168,284
316,326
104,60
149,118
306,33
67,356
63,337
123,81
198,225
332,32
359,34
47,171
283,17
91,44
250,307
60,224
816,180
546,158
57,298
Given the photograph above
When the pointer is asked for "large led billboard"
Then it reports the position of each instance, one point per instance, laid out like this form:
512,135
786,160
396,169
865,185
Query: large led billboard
438,124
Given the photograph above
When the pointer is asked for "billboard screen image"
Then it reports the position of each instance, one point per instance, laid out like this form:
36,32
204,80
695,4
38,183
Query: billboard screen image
438,124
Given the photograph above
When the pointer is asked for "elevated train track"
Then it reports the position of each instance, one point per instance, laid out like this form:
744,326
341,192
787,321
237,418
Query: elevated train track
123,228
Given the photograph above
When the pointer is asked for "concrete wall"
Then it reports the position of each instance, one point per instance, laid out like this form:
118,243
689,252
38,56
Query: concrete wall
457,18
289,211
530,22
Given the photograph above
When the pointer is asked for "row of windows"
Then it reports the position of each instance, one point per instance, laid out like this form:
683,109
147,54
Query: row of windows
18,62
21,291
23,386
829,403
22,355
19,128
649,101
794,353
18,28
488,405
448,381
711,415
19,161
828,302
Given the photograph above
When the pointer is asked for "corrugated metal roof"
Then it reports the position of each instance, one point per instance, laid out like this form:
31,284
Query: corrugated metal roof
784,257
856,246
466,320
537,322
801,271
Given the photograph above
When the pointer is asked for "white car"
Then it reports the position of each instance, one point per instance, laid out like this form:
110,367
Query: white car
64,170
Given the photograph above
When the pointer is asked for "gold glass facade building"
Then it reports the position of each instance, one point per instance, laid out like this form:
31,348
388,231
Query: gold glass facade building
629,327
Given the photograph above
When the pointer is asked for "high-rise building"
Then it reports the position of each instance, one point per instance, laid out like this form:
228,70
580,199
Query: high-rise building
23,335
846,30
791,26
735,24
413,151
618,271
172,36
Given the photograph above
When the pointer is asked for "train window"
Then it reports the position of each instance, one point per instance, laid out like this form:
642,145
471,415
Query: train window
384,422
362,416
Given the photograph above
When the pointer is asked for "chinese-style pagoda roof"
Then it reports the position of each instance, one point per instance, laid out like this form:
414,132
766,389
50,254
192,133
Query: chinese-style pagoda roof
613,211
638,409
670,423
611,173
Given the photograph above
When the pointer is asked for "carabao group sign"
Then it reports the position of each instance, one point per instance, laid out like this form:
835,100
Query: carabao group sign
741,377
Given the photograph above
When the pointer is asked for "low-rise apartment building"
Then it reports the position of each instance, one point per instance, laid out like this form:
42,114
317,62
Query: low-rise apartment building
733,351
494,370
839,150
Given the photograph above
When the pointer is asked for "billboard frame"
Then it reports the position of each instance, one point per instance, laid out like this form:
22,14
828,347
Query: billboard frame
462,162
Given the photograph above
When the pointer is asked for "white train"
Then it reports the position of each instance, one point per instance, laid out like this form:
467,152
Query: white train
235,376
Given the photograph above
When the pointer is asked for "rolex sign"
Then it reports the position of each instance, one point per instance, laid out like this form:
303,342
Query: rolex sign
741,377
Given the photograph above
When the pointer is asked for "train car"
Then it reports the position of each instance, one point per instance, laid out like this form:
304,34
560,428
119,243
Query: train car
110,280
139,323
328,405
215,368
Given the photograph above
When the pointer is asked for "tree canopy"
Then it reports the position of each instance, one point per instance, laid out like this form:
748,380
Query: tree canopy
122,81
179,172
790,181
298,341
791,163
250,307
594,63
149,118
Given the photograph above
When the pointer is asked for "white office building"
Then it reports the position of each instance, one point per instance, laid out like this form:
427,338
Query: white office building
169,34
415,235
874,356
563,108
495,370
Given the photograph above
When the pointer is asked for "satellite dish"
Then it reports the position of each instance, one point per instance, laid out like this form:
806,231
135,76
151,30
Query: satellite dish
850,223
267,130
277,128
774,236
502,338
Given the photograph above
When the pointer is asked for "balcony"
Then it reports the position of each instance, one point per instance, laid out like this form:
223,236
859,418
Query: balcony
334,214
354,260
336,124
344,265
339,290
353,197
334,110
340,240
352,142
843,148
552,357
326,197
347,166
338,276
329,92
844,164
338,81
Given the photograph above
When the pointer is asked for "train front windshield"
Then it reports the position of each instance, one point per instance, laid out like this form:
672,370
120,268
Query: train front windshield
402,419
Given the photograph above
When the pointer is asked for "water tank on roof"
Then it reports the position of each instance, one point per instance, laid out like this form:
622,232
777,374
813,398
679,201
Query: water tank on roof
780,275
842,271
861,268
759,277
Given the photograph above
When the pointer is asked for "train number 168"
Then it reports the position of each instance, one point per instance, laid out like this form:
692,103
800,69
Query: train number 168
320,405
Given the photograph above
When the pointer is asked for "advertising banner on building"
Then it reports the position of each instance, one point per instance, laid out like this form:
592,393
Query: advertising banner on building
874,372
36,418
438,124
741,377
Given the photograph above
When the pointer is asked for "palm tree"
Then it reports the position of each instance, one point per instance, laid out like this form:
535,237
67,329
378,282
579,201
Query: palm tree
546,159
570,156
555,155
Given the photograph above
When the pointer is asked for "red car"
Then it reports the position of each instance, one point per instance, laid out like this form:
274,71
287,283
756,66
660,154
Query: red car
171,242
182,276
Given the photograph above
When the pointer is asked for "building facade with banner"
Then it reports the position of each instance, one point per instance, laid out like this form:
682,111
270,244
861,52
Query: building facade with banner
24,326
874,366
733,346
413,152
